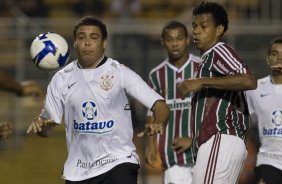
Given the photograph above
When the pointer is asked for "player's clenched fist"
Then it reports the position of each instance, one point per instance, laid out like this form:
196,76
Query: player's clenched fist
189,85
5,130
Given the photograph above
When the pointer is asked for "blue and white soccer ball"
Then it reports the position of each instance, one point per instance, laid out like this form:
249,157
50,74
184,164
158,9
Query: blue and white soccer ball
49,51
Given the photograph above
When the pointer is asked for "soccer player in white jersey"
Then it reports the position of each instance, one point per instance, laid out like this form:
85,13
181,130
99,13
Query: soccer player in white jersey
265,106
173,145
218,104
91,95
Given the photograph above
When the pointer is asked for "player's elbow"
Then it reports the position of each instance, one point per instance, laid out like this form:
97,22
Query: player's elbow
251,82
161,111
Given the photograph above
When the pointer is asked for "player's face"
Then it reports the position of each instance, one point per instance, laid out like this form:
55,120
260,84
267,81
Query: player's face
275,56
89,46
175,42
206,33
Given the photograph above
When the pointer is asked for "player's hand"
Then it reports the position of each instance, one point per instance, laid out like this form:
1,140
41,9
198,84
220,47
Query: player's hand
181,144
38,124
152,129
190,85
32,88
277,67
5,130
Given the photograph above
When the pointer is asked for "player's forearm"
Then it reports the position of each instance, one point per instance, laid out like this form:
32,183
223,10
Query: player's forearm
160,112
239,82
151,140
9,84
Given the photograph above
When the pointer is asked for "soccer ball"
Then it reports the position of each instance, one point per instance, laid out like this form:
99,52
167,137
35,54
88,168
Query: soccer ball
49,51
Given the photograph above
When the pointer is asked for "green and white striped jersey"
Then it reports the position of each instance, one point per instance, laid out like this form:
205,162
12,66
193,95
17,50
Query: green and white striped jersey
220,110
163,79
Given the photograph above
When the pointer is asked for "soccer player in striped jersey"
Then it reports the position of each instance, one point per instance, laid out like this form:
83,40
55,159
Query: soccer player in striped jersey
91,93
265,106
218,105
176,156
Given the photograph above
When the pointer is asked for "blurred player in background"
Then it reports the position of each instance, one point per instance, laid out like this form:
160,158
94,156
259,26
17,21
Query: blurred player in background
91,94
26,88
176,156
265,106
218,104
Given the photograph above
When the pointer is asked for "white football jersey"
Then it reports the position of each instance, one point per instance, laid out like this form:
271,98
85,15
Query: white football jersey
97,115
265,106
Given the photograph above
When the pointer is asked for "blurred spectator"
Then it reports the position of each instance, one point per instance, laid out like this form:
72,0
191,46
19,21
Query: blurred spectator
32,8
125,8
4,8
85,7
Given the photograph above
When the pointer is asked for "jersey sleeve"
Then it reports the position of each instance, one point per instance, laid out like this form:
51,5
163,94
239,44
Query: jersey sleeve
150,83
227,61
53,107
136,87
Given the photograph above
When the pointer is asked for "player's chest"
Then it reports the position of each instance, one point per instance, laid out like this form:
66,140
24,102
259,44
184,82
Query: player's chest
97,86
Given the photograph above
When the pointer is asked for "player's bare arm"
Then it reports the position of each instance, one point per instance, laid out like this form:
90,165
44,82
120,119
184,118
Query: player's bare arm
237,82
31,88
181,144
151,149
27,88
41,126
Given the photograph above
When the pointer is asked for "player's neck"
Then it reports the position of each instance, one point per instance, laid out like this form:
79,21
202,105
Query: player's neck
178,63
276,79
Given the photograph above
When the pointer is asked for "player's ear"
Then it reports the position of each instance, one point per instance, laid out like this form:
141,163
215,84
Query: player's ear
105,44
267,61
219,30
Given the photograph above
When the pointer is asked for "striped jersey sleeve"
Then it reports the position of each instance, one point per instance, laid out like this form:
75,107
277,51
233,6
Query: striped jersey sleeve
227,61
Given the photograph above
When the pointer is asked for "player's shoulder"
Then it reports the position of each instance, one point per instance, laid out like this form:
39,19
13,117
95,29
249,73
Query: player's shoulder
224,52
66,70
264,81
263,85
159,66
114,64
194,58
117,67
222,48
69,67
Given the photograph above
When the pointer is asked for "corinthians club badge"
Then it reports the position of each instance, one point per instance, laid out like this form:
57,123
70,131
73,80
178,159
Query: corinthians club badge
107,82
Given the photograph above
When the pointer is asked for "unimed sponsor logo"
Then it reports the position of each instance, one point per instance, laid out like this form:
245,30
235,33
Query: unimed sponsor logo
179,104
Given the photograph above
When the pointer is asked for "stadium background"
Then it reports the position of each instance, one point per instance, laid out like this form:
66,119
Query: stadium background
134,28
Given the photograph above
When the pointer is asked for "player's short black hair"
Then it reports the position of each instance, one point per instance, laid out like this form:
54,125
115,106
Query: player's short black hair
216,10
277,39
173,25
91,21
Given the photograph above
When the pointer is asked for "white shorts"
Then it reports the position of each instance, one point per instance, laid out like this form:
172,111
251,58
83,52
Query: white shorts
178,174
220,160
